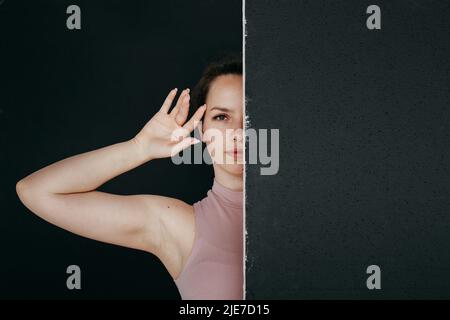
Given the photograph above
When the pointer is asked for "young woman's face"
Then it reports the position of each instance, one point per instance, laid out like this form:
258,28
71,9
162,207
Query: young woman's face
223,122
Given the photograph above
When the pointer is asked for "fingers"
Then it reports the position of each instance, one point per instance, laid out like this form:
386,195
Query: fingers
183,111
186,142
180,102
195,119
168,102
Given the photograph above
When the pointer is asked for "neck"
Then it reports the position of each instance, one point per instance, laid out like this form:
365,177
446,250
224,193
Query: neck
231,181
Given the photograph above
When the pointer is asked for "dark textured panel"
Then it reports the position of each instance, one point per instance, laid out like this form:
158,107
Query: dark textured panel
364,146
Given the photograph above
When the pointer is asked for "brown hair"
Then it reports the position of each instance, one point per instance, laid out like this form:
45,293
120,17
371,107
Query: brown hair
229,64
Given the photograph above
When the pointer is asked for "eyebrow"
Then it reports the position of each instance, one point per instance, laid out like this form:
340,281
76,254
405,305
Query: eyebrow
220,109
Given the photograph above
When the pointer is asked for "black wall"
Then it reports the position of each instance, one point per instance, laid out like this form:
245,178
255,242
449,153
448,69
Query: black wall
364,143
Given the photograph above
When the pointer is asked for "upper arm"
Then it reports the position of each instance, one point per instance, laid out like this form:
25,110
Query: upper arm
142,222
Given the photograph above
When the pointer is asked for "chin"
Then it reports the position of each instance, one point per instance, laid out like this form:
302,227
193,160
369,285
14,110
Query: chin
235,169
231,166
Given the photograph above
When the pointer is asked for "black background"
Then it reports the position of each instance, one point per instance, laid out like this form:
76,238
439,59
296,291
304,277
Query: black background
364,143
65,92
364,138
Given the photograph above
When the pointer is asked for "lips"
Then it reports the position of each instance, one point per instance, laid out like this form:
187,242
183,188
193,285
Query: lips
235,152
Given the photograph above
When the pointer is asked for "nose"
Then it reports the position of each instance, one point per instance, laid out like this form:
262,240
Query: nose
238,135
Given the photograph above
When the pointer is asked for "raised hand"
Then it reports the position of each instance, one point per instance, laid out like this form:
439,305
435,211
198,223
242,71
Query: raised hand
167,133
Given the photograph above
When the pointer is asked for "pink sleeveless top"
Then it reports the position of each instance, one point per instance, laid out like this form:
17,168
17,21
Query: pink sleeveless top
214,268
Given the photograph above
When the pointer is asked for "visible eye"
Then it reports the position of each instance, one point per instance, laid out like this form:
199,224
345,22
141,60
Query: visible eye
220,117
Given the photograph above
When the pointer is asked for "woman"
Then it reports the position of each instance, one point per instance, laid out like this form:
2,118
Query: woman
200,244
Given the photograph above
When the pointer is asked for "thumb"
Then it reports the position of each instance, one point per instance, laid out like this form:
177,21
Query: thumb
186,142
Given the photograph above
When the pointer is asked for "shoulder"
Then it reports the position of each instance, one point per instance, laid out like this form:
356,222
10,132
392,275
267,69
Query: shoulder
173,215
176,224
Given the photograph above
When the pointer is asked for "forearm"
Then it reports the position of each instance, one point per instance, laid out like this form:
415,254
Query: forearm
87,171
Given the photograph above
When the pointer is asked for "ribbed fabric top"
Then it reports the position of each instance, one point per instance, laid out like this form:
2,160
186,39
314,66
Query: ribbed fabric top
214,268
